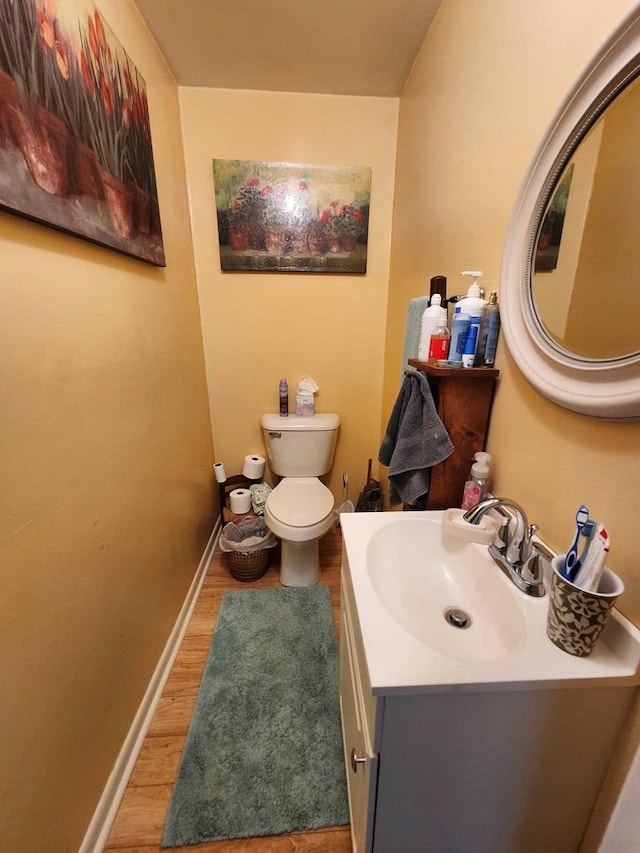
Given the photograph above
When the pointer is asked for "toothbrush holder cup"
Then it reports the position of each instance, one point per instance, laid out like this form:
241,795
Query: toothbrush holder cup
576,617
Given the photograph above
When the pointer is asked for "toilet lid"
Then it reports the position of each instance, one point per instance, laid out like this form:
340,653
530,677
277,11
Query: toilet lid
300,501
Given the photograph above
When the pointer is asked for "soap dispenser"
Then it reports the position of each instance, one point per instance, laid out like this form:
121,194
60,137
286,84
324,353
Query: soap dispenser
475,488
472,302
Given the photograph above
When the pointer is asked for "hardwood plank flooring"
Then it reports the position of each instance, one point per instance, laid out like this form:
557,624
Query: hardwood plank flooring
140,819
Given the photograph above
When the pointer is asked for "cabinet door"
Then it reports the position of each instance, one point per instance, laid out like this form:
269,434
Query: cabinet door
361,762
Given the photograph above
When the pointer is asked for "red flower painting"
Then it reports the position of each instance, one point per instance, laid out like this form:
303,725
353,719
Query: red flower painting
292,217
74,128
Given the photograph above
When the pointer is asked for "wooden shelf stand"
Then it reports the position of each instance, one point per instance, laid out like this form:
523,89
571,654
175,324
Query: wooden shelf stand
463,398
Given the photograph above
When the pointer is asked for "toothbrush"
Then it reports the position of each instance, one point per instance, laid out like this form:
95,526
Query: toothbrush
588,577
587,531
582,517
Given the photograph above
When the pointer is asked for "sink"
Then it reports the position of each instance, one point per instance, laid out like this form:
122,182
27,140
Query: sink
436,613
449,595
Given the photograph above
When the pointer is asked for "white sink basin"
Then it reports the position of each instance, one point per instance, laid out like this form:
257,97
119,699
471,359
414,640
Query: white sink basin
405,576
449,595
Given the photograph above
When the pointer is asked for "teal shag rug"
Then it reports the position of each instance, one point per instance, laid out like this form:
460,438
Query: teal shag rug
263,754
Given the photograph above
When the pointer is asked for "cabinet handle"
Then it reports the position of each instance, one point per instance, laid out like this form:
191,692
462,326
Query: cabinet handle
355,760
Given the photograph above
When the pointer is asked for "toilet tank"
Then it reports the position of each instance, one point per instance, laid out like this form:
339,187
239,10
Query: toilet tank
299,446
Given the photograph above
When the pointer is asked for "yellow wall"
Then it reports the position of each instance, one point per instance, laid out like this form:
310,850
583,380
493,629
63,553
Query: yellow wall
259,327
105,505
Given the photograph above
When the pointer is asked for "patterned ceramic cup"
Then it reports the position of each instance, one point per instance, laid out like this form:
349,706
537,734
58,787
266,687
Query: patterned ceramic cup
576,618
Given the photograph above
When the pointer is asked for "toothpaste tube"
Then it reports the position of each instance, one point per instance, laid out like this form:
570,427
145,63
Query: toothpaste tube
588,578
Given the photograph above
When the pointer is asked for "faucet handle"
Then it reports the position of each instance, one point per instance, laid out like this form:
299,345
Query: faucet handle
532,570
519,545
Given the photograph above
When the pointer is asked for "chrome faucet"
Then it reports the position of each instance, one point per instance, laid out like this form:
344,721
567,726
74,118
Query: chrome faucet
513,549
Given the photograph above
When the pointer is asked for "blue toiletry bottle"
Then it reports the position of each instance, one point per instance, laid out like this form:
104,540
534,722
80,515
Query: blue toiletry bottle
471,342
459,331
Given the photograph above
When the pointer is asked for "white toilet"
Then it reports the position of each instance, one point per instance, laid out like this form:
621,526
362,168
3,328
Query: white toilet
300,508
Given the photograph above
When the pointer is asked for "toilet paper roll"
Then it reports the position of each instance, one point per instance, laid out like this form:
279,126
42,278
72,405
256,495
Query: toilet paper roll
219,471
253,468
240,501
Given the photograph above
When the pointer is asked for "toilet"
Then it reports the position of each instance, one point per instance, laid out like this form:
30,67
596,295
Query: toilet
300,508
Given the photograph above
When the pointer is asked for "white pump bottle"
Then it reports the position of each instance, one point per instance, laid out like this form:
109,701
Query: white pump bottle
472,304
476,486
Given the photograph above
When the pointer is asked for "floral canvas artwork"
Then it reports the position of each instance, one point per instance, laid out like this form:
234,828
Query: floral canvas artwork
292,217
75,136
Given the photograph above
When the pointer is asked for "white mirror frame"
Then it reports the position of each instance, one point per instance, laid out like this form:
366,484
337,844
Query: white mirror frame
607,389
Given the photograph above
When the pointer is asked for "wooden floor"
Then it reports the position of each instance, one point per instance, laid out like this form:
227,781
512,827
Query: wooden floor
140,819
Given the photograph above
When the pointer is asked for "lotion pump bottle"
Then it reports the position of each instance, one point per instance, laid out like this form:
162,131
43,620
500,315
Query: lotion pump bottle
428,325
473,303
476,486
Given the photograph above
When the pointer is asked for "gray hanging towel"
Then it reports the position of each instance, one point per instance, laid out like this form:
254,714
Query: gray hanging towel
415,440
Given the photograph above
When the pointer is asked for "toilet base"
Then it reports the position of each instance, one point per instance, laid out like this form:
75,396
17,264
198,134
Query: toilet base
299,563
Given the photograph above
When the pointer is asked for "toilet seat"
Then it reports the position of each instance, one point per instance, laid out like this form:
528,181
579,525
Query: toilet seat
300,502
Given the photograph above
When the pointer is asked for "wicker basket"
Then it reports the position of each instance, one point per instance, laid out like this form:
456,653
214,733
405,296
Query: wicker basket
248,567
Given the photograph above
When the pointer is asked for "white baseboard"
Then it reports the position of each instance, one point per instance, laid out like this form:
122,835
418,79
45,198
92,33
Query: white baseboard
106,810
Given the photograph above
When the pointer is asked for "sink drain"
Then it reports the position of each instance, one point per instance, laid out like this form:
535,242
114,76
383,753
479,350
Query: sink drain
458,618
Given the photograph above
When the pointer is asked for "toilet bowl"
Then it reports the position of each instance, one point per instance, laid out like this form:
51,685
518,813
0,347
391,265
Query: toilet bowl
299,511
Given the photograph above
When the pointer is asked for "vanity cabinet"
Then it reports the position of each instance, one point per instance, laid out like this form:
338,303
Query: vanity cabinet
487,768
463,398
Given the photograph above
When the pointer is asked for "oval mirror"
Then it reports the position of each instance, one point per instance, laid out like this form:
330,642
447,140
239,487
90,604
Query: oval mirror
569,281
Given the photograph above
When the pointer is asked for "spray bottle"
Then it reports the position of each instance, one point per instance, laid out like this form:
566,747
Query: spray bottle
476,486
493,330
283,394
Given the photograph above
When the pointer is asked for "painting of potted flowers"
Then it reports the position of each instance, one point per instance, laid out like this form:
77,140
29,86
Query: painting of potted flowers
75,137
292,217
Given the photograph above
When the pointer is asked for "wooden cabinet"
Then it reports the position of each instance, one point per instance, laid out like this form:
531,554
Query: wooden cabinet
463,398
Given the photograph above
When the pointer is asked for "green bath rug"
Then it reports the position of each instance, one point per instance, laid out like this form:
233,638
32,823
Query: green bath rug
263,755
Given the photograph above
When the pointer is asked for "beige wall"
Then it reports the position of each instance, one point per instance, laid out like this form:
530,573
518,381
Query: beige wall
105,505
481,95
259,327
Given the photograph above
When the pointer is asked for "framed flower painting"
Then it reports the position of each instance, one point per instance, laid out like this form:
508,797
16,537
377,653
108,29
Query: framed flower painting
75,137
292,217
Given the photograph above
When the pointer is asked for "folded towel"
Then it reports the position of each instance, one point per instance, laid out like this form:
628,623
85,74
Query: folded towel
412,330
415,440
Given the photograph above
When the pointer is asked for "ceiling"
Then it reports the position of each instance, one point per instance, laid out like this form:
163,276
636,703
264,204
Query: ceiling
336,47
